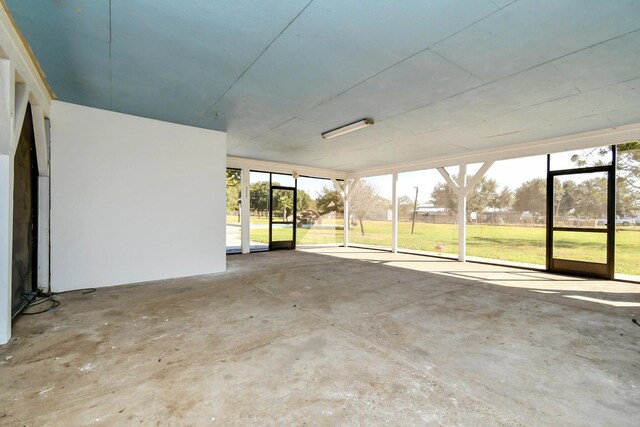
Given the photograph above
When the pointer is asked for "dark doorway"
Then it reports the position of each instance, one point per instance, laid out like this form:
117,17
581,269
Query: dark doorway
581,213
282,218
24,268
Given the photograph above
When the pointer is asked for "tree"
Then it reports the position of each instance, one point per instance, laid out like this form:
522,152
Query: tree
565,195
627,176
591,198
233,189
483,195
366,199
531,196
504,200
405,206
305,201
329,200
628,185
444,197
259,197
282,204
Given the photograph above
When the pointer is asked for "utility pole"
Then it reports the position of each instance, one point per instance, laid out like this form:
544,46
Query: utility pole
415,207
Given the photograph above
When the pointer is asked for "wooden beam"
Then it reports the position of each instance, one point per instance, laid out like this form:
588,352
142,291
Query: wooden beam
7,105
339,188
477,177
352,188
283,168
20,109
40,134
454,186
14,47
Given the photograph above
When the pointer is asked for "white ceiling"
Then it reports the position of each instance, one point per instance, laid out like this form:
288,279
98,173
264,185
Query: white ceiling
438,77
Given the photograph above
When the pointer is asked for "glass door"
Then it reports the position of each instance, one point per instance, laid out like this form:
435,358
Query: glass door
581,212
282,218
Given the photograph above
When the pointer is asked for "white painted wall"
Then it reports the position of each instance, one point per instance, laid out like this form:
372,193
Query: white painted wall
133,199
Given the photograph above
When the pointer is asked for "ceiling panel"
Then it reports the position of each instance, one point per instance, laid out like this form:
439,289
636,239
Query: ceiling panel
603,65
623,116
334,45
439,77
85,18
533,87
70,40
420,80
530,32
579,125
177,61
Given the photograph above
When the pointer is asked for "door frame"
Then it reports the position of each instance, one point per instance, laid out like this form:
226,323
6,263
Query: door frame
576,267
27,143
285,244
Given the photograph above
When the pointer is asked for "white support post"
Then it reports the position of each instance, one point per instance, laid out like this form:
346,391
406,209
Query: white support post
462,213
43,233
462,188
346,190
245,219
7,105
6,240
394,213
346,221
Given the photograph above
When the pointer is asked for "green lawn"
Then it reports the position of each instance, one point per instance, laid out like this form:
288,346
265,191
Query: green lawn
501,242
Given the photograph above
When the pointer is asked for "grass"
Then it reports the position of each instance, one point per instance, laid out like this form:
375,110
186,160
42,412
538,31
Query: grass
524,244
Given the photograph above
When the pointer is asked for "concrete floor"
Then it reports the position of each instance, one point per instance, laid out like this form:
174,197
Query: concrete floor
332,336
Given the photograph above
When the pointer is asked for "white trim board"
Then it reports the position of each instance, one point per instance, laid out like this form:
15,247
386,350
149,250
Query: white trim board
284,168
597,138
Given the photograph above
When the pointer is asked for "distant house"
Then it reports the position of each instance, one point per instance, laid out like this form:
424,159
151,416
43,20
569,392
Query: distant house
429,209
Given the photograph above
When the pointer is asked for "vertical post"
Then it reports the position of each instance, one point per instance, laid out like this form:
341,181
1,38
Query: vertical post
295,212
611,213
346,188
549,213
6,241
40,128
415,208
394,213
462,213
245,219
7,151
43,233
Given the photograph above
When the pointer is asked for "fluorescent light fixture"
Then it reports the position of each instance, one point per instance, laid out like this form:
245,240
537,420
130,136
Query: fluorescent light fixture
347,128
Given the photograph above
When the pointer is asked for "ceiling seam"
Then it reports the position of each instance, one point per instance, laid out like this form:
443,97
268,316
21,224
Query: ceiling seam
517,73
428,48
253,62
506,5
455,64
